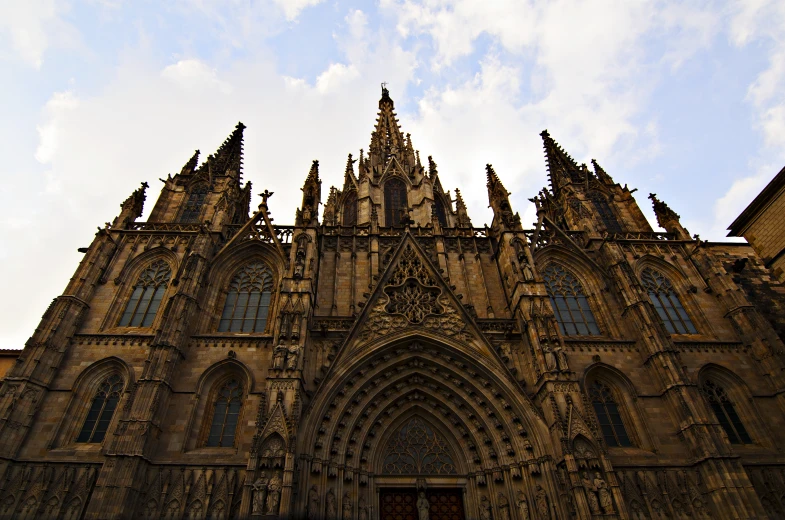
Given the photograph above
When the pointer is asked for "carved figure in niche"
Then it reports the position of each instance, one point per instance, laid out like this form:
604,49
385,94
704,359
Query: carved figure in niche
637,512
504,506
523,506
591,495
550,358
422,507
292,356
279,353
259,494
362,513
313,503
331,510
273,494
347,506
526,268
543,508
485,508
606,500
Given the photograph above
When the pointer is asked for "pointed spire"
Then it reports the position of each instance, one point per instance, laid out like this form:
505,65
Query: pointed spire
386,139
313,174
561,167
600,173
312,196
432,170
494,183
349,179
229,156
191,165
665,215
463,219
328,214
132,207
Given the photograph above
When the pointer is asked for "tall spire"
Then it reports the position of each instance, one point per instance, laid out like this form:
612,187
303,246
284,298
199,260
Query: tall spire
668,219
132,207
462,219
600,173
312,196
561,167
498,199
229,156
191,165
387,140
495,186
349,180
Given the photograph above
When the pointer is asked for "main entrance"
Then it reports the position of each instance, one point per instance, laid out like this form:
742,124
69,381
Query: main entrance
401,504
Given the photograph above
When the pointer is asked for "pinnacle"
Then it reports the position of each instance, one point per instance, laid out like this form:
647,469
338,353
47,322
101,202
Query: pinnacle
560,165
191,165
313,174
493,179
230,154
432,171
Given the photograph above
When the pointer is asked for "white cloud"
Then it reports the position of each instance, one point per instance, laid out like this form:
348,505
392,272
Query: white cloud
194,75
293,8
56,109
31,26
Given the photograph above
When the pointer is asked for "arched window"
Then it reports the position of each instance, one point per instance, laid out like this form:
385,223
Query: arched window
726,413
102,409
146,297
605,212
569,302
248,300
667,303
441,214
225,414
350,209
607,411
395,202
193,206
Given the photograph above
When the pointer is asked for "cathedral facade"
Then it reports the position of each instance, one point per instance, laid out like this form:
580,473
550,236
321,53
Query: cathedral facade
386,359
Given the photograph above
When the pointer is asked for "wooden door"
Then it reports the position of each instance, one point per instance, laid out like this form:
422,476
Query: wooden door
401,504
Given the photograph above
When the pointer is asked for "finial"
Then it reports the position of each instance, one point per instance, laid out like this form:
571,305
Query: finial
432,171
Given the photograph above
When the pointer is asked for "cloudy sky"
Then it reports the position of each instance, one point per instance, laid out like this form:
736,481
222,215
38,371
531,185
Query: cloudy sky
682,98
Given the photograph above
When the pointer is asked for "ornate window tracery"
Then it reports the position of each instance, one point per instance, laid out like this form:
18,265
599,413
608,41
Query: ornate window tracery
146,297
569,302
416,450
350,209
226,412
193,206
726,414
605,212
248,300
608,414
395,202
101,410
666,302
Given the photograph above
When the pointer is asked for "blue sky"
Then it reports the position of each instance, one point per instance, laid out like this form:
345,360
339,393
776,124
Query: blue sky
684,99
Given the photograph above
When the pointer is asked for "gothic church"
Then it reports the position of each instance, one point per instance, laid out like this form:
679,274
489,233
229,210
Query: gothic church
386,359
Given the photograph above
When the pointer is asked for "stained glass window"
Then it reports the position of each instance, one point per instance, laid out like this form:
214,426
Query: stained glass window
605,212
147,295
569,302
395,202
667,303
607,411
416,450
193,206
101,410
248,300
225,414
441,214
350,209
723,408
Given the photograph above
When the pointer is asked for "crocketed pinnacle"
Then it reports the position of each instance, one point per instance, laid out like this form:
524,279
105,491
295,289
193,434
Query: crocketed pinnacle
462,213
432,171
229,156
600,173
561,167
493,180
313,174
191,165
135,202
663,212
349,179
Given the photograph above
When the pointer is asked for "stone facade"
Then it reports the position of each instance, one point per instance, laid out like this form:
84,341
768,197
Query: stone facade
390,359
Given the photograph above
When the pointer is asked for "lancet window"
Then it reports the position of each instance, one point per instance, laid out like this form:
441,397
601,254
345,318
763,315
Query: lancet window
146,297
248,300
101,410
416,449
667,303
350,209
395,203
569,302
194,204
723,408
605,212
608,414
441,214
226,412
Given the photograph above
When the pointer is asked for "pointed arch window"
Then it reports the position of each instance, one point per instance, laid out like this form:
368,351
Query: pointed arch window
607,411
226,412
441,214
667,303
569,302
194,204
146,297
101,410
416,449
605,212
248,300
726,414
395,202
350,209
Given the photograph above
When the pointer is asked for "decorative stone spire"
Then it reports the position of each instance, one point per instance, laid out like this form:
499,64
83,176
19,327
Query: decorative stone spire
462,215
432,171
349,180
229,157
328,215
599,172
498,198
190,166
387,140
562,168
312,189
667,218
132,207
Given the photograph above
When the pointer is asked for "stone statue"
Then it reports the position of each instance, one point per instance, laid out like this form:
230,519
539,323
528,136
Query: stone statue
504,506
591,495
523,506
313,503
422,507
331,511
279,352
606,500
543,508
550,358
485,508
293,356
362,513
347,506
259,494
273,494
561,359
